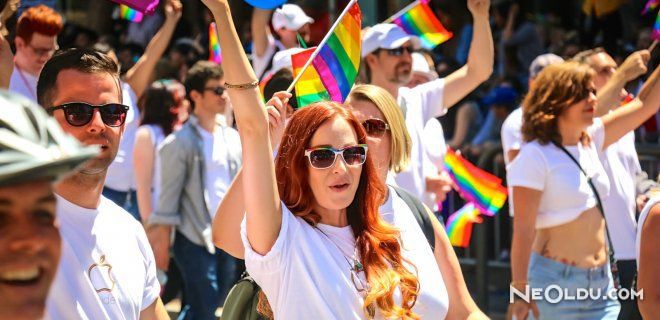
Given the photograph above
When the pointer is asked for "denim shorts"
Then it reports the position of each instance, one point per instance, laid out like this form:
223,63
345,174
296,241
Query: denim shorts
557,280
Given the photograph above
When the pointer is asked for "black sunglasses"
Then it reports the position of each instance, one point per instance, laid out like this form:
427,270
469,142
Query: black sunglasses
375,127
217,90
397,52
325,157
79,114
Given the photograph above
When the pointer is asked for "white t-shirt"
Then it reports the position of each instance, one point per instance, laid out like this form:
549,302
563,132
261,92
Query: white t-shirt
306,272
120,175
642,218
24,83
216,153
435,149
107,268
157,136
620,206
259,63
419,104
566,192
511,133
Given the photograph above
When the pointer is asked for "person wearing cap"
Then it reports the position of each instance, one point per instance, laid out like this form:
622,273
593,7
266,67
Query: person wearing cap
107,270
289,21
386,53
621,163
34,153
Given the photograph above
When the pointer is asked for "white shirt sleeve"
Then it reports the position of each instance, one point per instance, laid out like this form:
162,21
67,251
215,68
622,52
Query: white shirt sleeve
511,132
432,98
151,285
277,257
528,169
597,133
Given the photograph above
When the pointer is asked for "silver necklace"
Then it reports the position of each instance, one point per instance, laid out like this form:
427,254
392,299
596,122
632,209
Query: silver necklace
354,267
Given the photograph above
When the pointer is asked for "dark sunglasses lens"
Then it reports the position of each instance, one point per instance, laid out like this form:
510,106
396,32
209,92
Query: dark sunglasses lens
113,115
218,90
78,114
322,159
355,155
375,127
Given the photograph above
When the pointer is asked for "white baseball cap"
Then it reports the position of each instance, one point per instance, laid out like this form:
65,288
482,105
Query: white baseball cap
421,66
282,59
290,16
386,36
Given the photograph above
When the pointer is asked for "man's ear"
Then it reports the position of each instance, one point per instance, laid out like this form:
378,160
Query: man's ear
20,43
195,95
371,60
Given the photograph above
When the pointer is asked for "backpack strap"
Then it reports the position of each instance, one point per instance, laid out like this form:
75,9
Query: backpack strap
421,215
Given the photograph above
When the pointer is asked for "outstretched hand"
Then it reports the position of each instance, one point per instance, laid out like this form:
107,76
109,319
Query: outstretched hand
173,10
479,8
635,64
277,115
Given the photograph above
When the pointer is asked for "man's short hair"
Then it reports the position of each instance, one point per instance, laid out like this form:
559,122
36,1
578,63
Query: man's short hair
583,56
199,74
81,60
38,19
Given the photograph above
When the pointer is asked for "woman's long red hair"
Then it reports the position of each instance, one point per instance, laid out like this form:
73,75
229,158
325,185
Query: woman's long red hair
377,241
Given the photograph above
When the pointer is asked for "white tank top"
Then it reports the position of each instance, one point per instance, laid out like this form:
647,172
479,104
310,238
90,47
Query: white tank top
157,136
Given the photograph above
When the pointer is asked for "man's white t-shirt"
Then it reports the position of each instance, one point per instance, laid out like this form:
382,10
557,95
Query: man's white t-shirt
435,149
306,272
620,206
511,133
419,105
259,63
107,268
120,175
216,162
24,83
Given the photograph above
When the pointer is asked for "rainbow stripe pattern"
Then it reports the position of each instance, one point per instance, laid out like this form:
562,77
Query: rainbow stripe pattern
651,5
130,14
215,54
420,21
656,28
459,225
475,185
334,69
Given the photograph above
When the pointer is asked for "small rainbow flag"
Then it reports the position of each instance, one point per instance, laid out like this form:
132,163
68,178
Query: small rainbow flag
476,185
215,54
459,225
656,28
335,63
130,14
651,5
420,21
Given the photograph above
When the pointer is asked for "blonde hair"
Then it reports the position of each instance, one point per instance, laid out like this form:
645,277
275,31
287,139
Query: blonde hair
383,100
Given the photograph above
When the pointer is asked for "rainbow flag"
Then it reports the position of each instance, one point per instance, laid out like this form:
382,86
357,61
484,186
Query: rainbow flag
656,28
335,63
420,21
215,54
476,185
130,14
651,5
459,225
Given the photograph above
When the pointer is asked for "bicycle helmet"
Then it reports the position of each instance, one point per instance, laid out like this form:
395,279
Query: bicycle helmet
33,145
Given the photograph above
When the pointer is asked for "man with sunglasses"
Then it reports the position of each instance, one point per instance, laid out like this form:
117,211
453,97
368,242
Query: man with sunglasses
36,41
386,53
107,269
200,162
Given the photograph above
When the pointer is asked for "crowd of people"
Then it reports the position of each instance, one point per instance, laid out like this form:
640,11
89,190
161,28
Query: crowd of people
123,185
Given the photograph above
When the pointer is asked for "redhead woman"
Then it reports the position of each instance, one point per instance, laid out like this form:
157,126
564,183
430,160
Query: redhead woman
313,236
163,104
559,233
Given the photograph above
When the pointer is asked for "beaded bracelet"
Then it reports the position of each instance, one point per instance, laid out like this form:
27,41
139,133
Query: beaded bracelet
243,86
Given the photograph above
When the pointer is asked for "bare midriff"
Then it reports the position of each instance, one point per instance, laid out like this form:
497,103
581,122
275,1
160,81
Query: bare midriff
579,243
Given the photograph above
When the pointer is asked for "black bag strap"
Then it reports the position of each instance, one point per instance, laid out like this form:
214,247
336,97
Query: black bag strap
613,262
420,213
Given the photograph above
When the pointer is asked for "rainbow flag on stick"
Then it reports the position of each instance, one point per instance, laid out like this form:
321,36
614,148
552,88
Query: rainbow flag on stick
651,5
418,19
215,54
459,225
476,185
130,14
656,28
329,70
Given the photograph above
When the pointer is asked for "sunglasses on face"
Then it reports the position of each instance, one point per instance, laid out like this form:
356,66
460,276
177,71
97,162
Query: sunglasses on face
325,157
397,52
79,114
375,127
217,90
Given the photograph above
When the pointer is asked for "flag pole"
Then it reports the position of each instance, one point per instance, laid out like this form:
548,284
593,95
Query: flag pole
653,45
323,42
402,11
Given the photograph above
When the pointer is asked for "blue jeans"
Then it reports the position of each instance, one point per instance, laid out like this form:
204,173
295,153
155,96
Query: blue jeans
207,278
544,272
125,199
